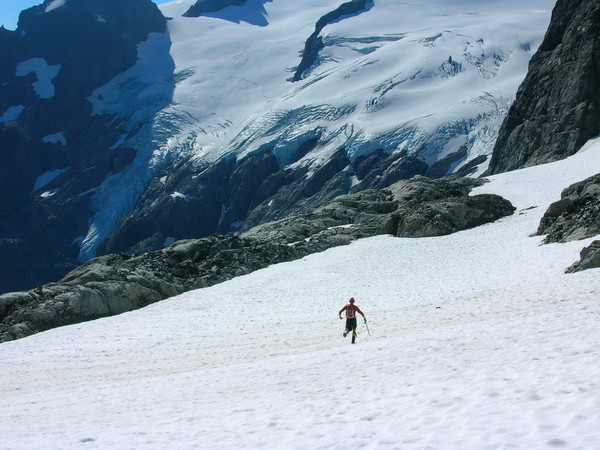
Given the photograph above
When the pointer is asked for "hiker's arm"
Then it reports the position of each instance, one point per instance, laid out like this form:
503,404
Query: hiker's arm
361,313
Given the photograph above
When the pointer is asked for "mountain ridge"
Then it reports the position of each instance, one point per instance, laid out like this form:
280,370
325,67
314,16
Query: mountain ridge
174,161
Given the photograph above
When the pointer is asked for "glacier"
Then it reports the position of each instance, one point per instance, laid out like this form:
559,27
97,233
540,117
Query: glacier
433,80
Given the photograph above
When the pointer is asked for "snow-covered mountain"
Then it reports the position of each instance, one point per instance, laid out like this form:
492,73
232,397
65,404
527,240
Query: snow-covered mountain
477,340
425,78
214,128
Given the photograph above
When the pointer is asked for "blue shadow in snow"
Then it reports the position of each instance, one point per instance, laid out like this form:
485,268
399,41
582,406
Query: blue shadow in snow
252,12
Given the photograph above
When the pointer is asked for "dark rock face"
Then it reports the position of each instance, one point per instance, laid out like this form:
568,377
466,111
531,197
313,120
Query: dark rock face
380,170
315,43
589,258
576,215
557,108
112,284
191,201
186,202
49,67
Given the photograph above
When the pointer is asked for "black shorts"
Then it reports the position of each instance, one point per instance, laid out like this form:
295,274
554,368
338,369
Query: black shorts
351,324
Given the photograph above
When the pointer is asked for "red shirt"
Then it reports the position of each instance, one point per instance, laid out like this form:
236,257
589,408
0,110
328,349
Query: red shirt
351,311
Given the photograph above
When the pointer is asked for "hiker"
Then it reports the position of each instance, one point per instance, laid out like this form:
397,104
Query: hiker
351,310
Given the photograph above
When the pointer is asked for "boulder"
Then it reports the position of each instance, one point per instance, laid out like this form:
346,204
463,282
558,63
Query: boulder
576,215
42,316
589,258
98,269
19,331
87,302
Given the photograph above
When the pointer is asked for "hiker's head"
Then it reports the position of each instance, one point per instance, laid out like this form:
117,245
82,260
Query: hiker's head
351,299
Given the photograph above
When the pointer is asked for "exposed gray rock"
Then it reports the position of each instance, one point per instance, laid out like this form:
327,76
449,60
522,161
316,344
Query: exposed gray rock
557,108
19,331
11,300
99,269
418,207
113,284
42,315
589,258
576,215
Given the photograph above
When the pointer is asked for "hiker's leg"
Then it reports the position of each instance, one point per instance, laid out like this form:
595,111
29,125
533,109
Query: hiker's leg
348,328
353,330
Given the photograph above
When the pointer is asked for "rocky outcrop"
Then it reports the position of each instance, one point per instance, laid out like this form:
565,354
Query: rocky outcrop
444,207
55,151
576,215
419,207
315,42
113,284
557,108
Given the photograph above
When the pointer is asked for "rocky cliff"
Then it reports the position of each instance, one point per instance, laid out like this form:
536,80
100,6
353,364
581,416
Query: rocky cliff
574,217
55,151
557,108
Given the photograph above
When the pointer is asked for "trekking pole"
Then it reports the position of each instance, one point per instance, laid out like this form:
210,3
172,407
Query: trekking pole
367,327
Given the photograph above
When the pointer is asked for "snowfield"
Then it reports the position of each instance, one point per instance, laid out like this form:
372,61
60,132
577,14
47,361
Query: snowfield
478,340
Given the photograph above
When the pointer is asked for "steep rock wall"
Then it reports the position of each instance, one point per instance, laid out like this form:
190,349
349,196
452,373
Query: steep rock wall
58,151
557,108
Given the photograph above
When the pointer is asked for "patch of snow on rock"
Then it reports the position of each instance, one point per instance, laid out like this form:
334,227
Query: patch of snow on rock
55,5
12,113
45,74
56,138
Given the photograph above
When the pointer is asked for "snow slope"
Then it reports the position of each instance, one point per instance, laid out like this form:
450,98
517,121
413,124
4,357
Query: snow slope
478,340
436,74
